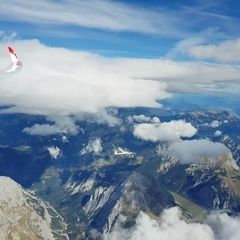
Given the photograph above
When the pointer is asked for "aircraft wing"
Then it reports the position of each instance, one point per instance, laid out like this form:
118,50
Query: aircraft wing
16,64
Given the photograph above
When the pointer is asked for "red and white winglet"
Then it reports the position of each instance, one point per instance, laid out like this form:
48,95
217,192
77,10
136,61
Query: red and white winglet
16,64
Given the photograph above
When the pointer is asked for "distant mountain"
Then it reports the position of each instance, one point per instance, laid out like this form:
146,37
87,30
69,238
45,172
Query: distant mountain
23,164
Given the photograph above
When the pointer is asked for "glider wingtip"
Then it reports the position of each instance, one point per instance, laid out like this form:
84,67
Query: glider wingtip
10,49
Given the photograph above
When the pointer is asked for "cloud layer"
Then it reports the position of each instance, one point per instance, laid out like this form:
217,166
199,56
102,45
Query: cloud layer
67,82
166,131
76,83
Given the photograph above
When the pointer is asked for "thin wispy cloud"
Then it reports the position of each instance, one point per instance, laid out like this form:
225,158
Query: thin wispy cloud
227,51
98,19
97,14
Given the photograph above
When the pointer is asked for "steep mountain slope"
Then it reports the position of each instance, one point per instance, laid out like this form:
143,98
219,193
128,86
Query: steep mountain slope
93,206
24,216
213,184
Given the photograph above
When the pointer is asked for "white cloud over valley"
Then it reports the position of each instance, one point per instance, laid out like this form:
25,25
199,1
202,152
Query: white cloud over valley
170,226
194,151
62,124
166,131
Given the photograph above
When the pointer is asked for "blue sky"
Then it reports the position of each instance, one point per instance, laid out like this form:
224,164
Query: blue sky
172,21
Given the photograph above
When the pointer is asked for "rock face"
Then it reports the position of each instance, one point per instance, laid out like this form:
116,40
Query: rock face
94,205
24,216
213,184
137,193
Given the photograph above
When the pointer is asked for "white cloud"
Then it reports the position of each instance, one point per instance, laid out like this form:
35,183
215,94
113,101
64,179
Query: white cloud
65,139
194,151
103,116
63,124
217,133
215,124
183,45
67,82
142,118
224,226
42,129
224,51
170,226
94,146
7,36
54,152
166,131
78,83
98,14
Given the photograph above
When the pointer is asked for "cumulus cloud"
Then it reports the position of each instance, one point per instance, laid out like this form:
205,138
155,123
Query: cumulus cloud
215,124
224,51
94,146
63,124
103,116
54,152
194,151
166,131
170,226
224,226
42,129
217,133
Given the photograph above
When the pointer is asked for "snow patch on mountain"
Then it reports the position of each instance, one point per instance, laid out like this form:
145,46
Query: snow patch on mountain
98,199
119,151
94,146
54,152
84,186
